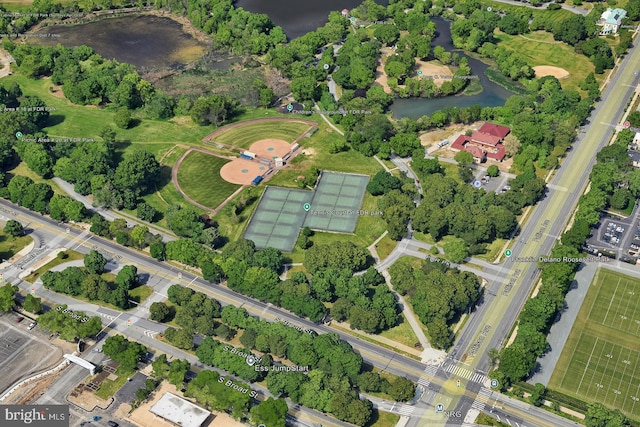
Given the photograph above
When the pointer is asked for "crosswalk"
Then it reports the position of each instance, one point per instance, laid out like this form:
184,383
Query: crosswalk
482,399
465,373
405,410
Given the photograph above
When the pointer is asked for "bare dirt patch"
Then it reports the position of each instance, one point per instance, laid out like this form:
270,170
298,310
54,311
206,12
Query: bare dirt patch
381,76
5,60
548,70
433,137
144,418
433,71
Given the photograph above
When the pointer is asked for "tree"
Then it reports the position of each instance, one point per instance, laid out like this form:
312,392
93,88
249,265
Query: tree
464,158
383,182
211,272
7,294
14,228
146,212
493,171
177,372
401,389
32,304
620,198
159,312
404,144
456,250
304,88
599,415
156,250
270,412
123,118
127,277
184,222
137,172
94,262
537,395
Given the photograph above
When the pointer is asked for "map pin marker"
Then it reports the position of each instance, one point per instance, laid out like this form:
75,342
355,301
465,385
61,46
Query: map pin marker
306,207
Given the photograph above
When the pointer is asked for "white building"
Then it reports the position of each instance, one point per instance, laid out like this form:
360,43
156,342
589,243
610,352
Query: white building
610,21
179,411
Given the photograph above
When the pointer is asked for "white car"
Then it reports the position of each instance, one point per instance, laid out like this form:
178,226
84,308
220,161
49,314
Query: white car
32,325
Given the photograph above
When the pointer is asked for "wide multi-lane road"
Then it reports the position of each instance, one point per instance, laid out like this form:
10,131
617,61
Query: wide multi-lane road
490,325
375,355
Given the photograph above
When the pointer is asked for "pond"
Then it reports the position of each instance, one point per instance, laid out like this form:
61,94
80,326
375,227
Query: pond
299,17
492,94
146,41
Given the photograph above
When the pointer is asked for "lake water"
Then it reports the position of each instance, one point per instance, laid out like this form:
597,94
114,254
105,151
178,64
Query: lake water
145,41
492,94
299,17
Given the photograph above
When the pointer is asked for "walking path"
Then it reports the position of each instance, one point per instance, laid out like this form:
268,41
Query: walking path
111,214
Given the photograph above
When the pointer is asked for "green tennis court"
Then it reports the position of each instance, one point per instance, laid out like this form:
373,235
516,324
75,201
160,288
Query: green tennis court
334,206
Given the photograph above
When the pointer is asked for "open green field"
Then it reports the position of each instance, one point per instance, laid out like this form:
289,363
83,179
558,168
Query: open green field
546,51
601,359
78,121
9,246
199,177
548,15
244,136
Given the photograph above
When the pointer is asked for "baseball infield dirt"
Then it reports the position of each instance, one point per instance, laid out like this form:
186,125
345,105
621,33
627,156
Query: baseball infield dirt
270,148
242,171
548,70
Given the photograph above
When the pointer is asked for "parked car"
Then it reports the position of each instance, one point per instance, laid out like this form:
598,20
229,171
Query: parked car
32,325
19,319
112,424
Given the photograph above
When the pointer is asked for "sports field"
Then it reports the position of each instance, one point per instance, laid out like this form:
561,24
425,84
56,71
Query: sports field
245,135
199,178
601,359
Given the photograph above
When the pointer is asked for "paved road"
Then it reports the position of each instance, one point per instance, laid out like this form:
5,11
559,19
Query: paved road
111,214
431,377
489,327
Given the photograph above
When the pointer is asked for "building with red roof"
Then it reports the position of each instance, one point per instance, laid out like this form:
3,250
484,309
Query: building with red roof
484,143
345,12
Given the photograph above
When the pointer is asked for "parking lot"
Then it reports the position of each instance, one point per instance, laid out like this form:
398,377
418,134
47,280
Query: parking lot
499,184
22,351
619,237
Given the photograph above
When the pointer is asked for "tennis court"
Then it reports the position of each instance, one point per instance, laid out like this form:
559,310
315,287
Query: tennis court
334,206
337,200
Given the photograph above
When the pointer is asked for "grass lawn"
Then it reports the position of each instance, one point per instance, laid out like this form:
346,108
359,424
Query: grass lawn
385,247
548,52
244,136
383,419
552,16
108,387
486,420
77,121
233,229
600,358
23,169
199,177
73,256
494,249
140,293
9,246
401,333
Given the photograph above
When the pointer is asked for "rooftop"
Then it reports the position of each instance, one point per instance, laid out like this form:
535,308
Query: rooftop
613,16
179,411
494,130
